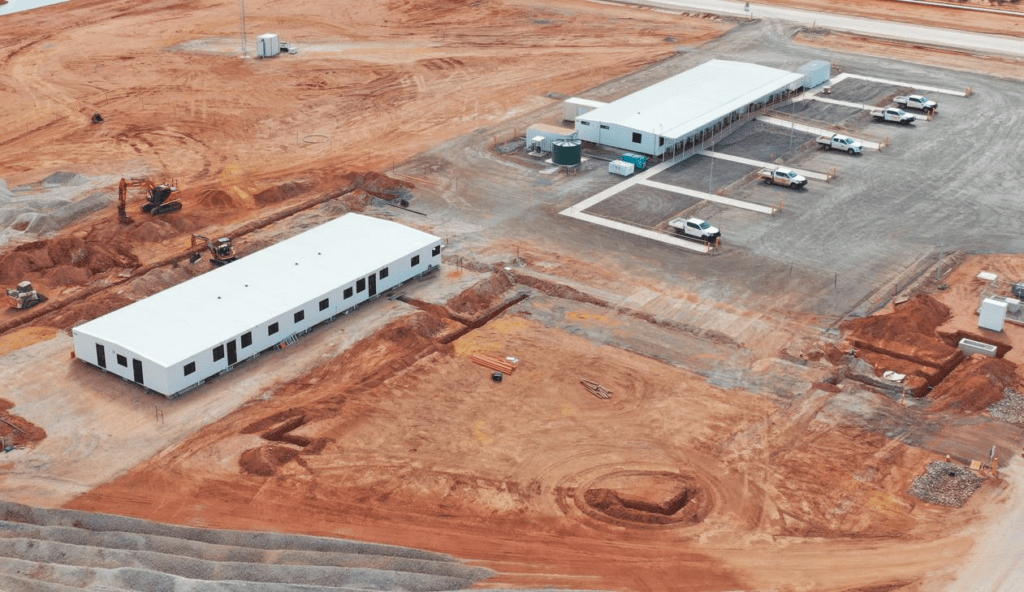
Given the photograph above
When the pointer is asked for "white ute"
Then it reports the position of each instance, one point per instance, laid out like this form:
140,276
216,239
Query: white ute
696,228
917,102
840,142
784,177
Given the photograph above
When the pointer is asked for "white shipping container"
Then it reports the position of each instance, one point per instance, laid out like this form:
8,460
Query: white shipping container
621,167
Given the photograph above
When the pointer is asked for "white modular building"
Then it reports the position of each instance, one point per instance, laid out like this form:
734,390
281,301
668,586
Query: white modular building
178,338
576,106
679,112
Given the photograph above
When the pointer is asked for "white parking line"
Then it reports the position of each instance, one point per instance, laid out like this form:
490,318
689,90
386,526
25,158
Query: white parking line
843,103
651,234
710,197
758,163
809,129
919,119
945,91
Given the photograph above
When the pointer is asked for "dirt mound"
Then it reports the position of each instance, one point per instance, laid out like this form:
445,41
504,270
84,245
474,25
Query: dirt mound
264,461
214,199
385,187
481,296
282,192
921,315
87,310
15,430
908,333
976,384
41,258
67,275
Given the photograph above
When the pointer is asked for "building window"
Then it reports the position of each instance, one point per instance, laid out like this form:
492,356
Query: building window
384,273
360,285
584,122
272,329
436,251
190,368
218,353
604,127
325,303
299,316
247,339
348,292
122,361
415,261
637,137
661,141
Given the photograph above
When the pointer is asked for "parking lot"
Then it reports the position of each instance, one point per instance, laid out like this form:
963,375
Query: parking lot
884,218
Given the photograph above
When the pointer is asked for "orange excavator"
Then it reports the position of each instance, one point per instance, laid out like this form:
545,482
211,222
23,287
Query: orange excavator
160,199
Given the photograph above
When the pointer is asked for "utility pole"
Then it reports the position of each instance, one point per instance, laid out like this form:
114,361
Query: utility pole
245,41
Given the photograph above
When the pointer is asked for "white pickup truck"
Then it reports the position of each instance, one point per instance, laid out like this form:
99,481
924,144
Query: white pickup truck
784,177
695,228
894,115
840,142
917,102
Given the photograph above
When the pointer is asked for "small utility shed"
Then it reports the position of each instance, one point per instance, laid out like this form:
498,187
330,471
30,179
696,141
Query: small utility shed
176,339
679,111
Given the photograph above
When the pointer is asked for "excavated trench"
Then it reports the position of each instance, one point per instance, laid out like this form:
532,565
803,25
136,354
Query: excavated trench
265,460
642,498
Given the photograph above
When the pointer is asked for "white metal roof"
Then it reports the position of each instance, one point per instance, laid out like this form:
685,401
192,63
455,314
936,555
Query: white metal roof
585,102
693,99
172,325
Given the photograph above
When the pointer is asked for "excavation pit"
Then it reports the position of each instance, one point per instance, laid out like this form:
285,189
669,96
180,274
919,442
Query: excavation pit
646,498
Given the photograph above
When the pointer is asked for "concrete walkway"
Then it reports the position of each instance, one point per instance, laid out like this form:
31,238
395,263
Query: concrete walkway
758,163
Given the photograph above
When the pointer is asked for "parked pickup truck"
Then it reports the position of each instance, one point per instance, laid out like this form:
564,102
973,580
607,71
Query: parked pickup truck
784,177
917,102
840,142
695,228
895,115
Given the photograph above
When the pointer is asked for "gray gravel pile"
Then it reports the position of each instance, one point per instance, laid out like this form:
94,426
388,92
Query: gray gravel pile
1009,409
64,550
946,484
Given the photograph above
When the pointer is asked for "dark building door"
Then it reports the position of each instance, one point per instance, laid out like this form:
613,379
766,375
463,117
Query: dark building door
101,356
232,352
373,284
137,369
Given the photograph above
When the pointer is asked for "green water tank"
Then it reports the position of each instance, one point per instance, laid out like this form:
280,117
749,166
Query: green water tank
567,152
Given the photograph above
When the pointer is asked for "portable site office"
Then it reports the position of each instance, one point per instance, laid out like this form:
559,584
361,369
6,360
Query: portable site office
176,339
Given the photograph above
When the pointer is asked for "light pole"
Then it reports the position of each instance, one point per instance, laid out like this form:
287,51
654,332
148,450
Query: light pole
245,41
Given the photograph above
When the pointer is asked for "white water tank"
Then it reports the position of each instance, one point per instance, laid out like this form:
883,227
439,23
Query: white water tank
268,45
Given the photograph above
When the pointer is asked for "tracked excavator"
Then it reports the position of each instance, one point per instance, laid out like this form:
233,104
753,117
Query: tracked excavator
160,199
24,296
222,251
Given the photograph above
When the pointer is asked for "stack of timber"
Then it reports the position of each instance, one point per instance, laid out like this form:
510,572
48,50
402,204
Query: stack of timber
596,389
499,364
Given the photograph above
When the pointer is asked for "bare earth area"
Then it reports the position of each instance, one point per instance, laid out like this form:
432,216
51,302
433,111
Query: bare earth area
755,436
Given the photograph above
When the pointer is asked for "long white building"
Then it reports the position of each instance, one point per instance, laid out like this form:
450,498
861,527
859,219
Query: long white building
176,339
678,112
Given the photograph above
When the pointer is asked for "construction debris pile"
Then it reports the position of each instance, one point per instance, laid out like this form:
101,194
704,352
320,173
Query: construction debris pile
1010,408
946,484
